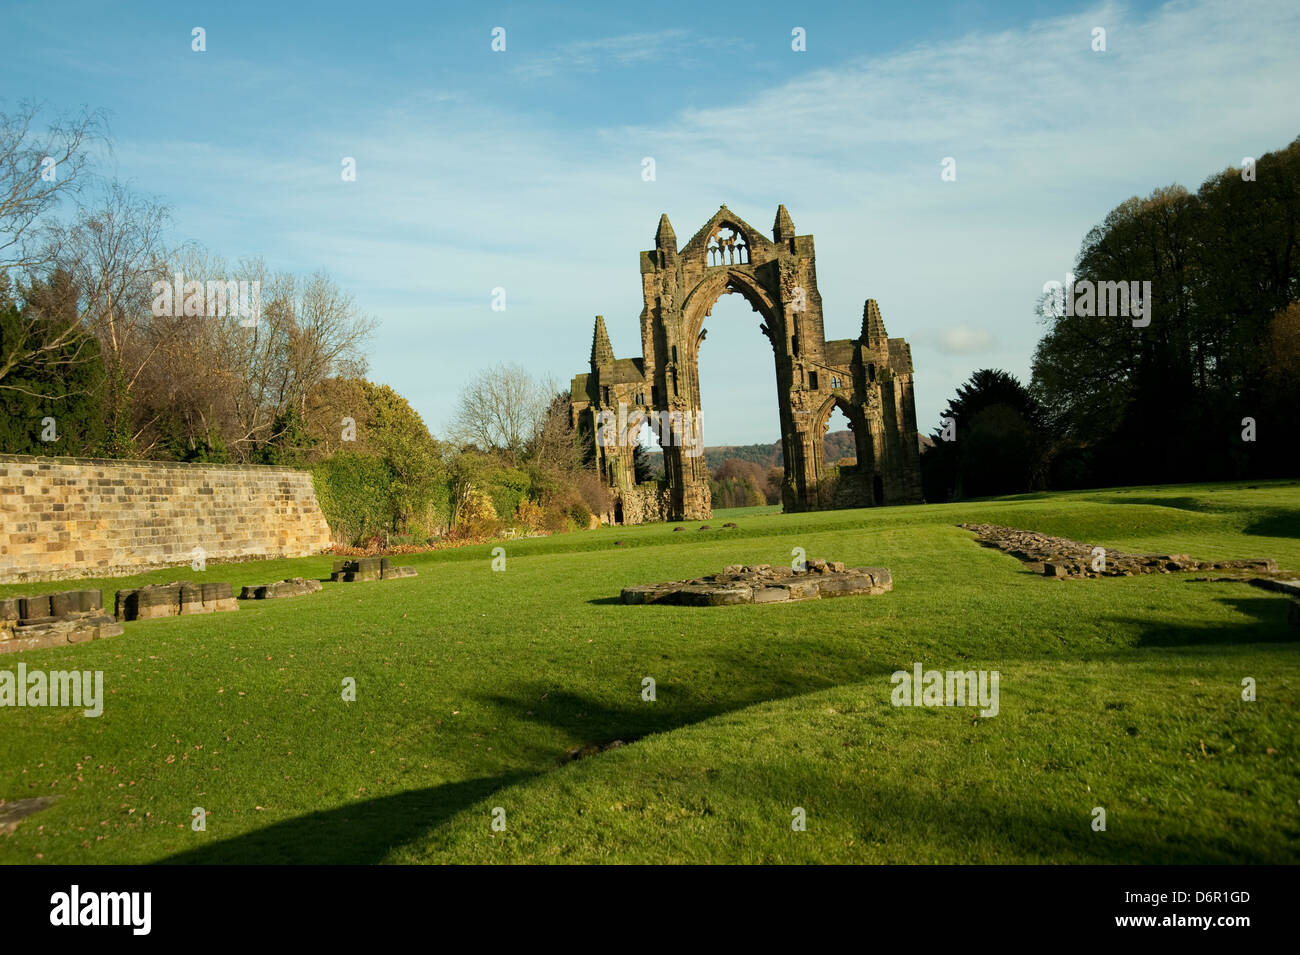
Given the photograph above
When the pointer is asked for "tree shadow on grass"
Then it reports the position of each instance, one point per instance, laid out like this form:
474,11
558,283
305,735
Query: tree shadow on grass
1268,625
1177,503
585,720
360,833
1275,524
1050,833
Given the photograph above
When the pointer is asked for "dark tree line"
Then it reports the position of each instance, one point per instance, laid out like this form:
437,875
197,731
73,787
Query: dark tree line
1166,402
1176,400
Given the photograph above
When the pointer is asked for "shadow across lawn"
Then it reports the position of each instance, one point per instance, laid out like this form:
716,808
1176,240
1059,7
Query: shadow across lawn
1041,832
1177,503
1276,524
360,833
1268,625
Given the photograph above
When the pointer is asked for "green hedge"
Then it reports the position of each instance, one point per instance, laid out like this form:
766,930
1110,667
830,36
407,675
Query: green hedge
355,492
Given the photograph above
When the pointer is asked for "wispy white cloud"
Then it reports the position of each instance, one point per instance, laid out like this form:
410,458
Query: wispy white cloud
964,340
629,49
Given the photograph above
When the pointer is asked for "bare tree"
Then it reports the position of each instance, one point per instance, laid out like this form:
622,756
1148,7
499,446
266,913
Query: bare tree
501,409
35,171
114,253
308,330
185,395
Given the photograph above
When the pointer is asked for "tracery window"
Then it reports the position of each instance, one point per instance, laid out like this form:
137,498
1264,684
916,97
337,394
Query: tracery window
727,247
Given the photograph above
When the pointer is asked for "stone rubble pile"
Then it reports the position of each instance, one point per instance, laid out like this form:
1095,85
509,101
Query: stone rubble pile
762,583
1061,557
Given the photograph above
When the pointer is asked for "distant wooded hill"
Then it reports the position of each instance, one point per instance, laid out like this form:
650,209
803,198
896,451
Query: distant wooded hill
839,444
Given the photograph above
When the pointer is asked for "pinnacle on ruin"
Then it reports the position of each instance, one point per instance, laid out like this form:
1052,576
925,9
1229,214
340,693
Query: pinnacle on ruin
665,238
602,352
783,227
873,326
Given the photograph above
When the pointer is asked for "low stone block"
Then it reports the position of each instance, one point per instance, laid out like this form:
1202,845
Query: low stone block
31,608
644,594
89,601
192,598
173,599
369,568
289,587
44,620
708,595
847,586
60,633
880,577
803,589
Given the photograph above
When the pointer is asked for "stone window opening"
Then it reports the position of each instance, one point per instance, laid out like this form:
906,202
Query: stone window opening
812,380
727,247
871,373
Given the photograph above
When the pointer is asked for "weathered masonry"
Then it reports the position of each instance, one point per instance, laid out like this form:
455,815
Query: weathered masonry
869,378
63,518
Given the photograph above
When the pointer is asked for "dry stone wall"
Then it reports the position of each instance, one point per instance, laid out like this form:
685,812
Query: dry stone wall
62,518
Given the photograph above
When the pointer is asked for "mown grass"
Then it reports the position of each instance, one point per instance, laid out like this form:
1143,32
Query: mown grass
1123,694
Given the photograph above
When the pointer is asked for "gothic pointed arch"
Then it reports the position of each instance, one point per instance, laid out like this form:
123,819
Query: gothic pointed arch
868,377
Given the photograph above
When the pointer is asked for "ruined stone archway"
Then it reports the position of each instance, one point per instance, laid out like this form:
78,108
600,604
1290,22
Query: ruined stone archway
849,486
870,376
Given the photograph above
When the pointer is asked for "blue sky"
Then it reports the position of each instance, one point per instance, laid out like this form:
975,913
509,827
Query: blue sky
522,169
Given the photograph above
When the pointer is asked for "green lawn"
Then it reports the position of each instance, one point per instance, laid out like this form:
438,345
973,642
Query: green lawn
472,684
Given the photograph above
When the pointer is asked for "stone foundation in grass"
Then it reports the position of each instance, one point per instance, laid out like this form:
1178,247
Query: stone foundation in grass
1061,557
180,597
762,584
368,568
289,587
50,620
